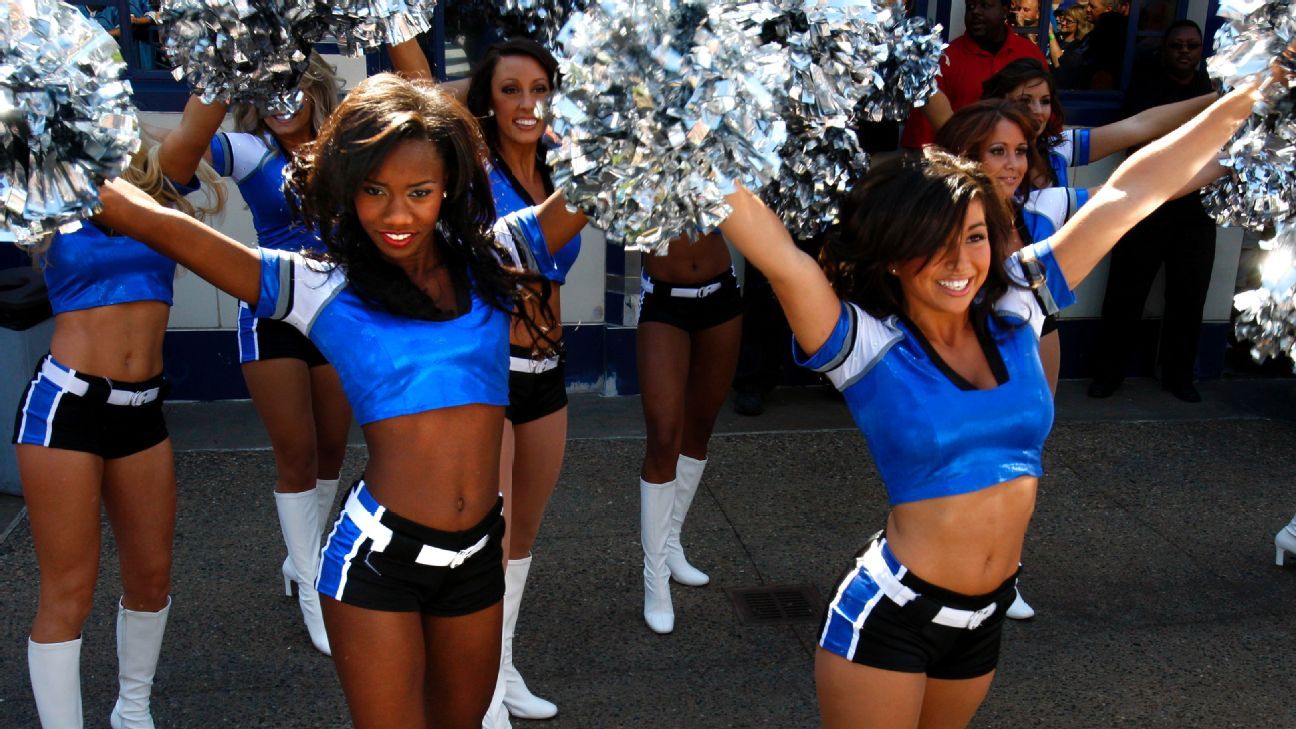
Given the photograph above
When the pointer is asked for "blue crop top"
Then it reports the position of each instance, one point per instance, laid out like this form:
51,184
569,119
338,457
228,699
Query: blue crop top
510,197
931,433
1071,150
89,268
1046,211
392,365
257,166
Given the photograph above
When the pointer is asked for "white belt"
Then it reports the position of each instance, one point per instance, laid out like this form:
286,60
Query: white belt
69,382
700,292
876,566
533,366
381,535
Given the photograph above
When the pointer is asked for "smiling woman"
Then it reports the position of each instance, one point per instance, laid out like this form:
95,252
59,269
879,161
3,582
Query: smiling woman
410,299
919,302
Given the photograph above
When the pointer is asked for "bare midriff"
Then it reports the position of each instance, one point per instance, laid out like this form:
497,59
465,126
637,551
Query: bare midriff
519,335
690,263
438,468
122,342
968,543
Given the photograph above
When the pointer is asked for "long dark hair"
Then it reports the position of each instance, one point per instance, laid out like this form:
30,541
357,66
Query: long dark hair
479,86
913,208
968,131
379,114
1028,71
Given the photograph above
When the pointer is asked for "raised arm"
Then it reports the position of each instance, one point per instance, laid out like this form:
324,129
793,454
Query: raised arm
811,306
558,223
409,60
1144,126
190,143
937,110
224,262
1144,181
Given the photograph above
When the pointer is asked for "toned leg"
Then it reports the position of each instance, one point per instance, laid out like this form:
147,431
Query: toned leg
663,358
62,490
952,704
379,657
507,455
712,362
140,498
537,460
281,392
853,696
332,420
463,654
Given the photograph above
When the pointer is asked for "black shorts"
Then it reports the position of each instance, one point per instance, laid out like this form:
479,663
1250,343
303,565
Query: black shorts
65,409
691,307
536,387
389,563
1050,325
882,615
261,339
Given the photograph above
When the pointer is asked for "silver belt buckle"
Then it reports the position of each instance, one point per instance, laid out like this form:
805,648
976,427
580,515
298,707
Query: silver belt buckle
979,616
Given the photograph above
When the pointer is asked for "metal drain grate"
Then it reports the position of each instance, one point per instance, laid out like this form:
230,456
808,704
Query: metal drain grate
775,604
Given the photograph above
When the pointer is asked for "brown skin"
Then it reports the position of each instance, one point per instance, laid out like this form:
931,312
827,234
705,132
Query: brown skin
439,468
986,21
1181,53
684,376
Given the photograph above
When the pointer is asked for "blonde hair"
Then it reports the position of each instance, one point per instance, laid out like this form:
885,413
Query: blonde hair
145,172
1081,18
320,84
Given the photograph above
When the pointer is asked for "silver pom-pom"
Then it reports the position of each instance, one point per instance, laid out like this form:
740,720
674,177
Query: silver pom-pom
1260,191
908,77
1267,315
662,103
239,50
360,25
66,119
836,54
539,20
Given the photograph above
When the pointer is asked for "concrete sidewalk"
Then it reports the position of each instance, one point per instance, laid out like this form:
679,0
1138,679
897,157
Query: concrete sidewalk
1149,561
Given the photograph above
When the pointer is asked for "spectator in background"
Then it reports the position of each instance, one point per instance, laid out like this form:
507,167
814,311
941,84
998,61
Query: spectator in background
143,29
1026,19
1179,234
987,46
1104,55
1067,45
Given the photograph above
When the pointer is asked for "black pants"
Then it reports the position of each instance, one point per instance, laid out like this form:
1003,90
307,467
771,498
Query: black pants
1180,236
766,336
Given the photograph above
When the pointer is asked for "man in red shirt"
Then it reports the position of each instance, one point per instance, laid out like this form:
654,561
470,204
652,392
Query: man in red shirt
987,46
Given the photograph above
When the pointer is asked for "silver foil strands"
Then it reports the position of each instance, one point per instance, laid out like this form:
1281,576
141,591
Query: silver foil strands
66,119
663,102
539,20
240,50
359,25
908,76
1260,192
257,50
841,61
1267,315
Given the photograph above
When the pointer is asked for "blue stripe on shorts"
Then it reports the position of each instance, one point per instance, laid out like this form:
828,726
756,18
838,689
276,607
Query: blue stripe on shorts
856,597
247,336
341,547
